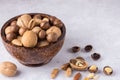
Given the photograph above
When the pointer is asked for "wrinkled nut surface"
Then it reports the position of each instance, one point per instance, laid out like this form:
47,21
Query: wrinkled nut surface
16,42
91,75
55,30
22,30
8,69
36,29
31,24
77,76
42,34
52,37
54,73
65,66
29,39
78,64
68,72
44,25
93,68
107,70
43,43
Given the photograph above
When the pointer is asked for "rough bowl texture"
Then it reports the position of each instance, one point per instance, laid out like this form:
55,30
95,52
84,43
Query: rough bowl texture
33,56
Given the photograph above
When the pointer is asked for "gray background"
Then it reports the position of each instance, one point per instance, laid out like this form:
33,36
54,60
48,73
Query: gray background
95,22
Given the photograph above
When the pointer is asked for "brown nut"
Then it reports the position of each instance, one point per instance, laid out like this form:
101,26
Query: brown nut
93,68
13,23
42,34
77,76
22,30
52,37
16,42
78,64
29,39
31,24
37,17
65,66
58,23
88,48
44,25
95,56
14,28
45,19
43,43
107,70
55,30
10,36
24,20
75,49
68,72
36,29
54,73
10,29
8,69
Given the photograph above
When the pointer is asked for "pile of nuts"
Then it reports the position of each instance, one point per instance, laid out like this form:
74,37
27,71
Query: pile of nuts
80,64
32,31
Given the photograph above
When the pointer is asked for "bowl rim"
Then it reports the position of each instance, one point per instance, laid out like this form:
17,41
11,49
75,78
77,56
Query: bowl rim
2,31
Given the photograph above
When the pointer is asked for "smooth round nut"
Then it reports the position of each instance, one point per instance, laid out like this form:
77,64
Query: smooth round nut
13,23
8,30
52,37
22,30
42,34
14,28
8,69
16,42
107,70
55,30
10,36
29,39
93,68
36,29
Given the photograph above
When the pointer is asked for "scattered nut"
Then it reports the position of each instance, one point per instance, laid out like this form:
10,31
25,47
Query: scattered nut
29,39
77,76
107,70
88,48
16,42
10,36
65,66
54,73
68,72
42,34
36,29
52,37
75,49
91,75
22,30
95,56
8,69
93,68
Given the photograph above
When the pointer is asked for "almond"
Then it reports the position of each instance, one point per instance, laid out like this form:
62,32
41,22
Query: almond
54,73
77,76
68,72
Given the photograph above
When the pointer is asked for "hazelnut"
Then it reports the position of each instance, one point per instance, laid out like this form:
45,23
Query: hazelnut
36,29
29,39
16,42
10,36
58,23
88,48
14,28
8,69
52,37
95,56
22,30
31,24
44,25
93,69
42,34
107,70
55,30
75,49
13,23
8,30
43,43
23,20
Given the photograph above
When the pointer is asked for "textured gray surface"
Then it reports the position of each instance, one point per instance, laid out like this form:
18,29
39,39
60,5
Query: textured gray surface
95,22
